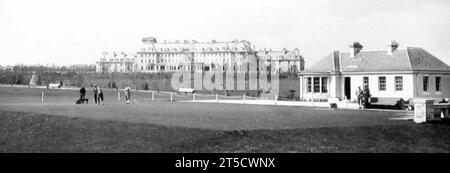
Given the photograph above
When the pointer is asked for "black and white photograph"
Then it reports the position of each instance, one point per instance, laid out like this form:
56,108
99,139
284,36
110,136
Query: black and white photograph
224,76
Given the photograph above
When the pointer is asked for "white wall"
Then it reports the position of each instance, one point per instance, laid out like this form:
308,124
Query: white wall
406,93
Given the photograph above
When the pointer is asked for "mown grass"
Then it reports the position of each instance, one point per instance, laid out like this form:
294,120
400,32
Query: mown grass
30,132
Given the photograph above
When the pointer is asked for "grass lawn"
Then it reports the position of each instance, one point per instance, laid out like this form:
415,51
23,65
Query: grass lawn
57,125
28,132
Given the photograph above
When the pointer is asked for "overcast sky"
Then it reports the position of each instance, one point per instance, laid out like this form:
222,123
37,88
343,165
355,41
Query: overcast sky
77,31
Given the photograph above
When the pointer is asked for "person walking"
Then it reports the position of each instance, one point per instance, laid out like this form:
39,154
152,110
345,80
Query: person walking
360,95
95,90
127,91
100,96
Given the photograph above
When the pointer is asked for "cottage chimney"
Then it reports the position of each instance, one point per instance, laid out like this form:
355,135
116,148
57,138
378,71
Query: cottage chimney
337,61
355,48
392,47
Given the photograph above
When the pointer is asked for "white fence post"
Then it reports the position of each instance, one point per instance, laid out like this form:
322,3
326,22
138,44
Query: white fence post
118,96
193,97
276,98
42,97
153,96
244,98
171,97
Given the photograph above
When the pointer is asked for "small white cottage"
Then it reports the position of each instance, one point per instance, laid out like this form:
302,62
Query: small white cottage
396,73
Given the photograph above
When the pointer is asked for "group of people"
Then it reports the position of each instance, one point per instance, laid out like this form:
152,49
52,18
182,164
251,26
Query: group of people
98,95
363,96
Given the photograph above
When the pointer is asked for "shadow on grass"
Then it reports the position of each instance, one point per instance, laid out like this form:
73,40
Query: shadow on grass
441,122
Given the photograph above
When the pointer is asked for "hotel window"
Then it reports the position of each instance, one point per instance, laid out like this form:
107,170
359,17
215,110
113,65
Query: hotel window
425,83
316,84
309,84
382,83
324,85
438,83
398,83
365,81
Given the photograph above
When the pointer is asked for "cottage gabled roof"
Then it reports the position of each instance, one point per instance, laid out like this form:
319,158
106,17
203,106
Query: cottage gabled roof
326,64
409,59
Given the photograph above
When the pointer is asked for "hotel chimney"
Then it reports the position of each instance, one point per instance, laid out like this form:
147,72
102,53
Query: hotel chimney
355,48
392,47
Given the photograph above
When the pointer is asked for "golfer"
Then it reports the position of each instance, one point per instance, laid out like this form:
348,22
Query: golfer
95,91
82,93
100,96
127,91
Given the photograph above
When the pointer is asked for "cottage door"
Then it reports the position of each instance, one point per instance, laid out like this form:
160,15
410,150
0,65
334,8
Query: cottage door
347,88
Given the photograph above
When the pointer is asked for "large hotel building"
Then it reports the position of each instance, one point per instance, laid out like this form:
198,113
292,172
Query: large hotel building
197,56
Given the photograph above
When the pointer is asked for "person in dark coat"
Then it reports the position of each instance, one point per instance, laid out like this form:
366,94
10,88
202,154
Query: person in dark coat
82,93
366,95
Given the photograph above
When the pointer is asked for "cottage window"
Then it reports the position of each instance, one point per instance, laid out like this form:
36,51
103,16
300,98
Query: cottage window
316,84
398,83
324,85
382,83
365,81
309,84
425,83
438,83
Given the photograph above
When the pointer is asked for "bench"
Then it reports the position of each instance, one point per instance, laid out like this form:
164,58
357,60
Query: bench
186,90
387,102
